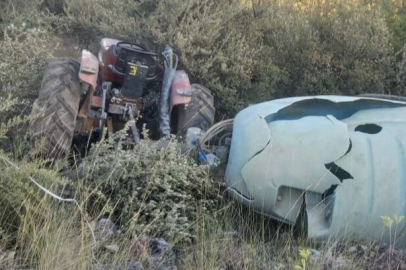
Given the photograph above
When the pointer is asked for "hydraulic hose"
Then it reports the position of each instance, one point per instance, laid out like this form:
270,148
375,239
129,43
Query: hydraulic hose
171,63
134,130
216,129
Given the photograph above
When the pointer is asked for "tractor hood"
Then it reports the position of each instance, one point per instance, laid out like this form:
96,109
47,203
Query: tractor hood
307,154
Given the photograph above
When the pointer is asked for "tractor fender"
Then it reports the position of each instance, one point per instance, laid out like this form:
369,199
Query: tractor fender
181,90
88,73
89,69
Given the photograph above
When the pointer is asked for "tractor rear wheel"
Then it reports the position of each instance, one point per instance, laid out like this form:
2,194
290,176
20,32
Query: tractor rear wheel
198,113
56,108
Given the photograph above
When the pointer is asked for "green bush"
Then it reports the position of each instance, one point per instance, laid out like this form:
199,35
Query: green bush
25,52
150,191
332,47
18,12
394,12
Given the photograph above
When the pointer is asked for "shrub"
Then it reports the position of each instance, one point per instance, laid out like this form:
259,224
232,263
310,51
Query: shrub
215,44
18,12
328,47
25,52
394,11
152,191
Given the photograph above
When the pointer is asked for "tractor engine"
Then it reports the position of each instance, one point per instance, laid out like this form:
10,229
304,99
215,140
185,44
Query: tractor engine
124,71
128,66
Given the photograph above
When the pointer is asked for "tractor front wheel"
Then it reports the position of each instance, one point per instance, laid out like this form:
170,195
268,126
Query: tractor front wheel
56,109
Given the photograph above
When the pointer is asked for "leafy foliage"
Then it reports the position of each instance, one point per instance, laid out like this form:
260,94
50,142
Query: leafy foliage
24,54
151,190
394,12
334,47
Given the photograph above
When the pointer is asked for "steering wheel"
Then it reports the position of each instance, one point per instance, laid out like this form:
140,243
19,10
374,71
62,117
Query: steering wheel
135,48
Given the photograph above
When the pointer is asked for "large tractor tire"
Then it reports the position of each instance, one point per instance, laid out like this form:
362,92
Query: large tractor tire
56,108
198,113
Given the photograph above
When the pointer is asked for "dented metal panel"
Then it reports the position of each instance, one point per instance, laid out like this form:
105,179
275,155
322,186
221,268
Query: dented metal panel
89,68
342,158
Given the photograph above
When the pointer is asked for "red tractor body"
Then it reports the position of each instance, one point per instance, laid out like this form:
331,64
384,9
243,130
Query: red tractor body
118,86
109,68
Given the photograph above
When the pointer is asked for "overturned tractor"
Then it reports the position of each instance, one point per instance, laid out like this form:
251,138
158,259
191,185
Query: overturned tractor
102,94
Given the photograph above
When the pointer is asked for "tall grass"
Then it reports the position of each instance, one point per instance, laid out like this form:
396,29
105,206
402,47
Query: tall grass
239,240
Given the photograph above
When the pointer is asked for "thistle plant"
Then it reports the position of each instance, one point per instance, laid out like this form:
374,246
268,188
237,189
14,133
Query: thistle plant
388,222
304,257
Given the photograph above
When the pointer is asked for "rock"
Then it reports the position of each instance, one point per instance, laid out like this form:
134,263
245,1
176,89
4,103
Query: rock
113,248
158,246
120,266
162,255
315,256
7,258
333,260
359,250
155,253
340,263
134,266
274,265
105,229
102,267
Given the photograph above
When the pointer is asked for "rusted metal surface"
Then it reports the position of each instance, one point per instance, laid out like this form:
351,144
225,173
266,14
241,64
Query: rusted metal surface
106,58
181,90
88,74
89,68
96,102
340,161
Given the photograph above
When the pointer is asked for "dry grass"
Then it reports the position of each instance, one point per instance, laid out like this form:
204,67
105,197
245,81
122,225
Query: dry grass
56,237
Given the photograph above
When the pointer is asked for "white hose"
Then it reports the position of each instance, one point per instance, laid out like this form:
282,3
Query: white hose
216,129
57,198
